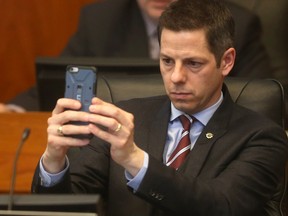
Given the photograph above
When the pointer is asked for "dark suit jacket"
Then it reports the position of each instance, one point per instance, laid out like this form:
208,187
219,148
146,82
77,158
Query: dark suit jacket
236,172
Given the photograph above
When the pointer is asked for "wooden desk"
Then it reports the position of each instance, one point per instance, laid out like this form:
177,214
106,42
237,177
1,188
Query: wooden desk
11,129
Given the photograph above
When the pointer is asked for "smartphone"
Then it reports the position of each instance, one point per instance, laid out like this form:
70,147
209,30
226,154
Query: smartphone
80,84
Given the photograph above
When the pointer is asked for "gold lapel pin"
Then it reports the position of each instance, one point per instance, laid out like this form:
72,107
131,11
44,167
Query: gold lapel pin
209,135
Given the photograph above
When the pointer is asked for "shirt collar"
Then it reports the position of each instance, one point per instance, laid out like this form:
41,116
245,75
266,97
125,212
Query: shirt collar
202,116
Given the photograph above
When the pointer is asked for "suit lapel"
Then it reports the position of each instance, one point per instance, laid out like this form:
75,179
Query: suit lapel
158,132
200,152
216,128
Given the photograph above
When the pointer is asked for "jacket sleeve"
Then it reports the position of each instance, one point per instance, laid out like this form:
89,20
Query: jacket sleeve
61,187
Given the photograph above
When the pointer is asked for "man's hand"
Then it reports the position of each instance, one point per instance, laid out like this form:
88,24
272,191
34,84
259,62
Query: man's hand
59,140
119,133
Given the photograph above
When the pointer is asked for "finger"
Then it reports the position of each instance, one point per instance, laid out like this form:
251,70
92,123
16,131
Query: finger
68,116
107,122
113,125
116,139
119,126
64,141
66,103
68,129
111,111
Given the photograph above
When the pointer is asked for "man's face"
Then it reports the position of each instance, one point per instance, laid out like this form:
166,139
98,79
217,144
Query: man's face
154,8
190,74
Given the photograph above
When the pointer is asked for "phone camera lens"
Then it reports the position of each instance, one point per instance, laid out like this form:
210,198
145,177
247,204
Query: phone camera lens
74,69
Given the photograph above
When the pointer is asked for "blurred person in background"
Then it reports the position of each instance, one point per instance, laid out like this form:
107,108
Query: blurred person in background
128,29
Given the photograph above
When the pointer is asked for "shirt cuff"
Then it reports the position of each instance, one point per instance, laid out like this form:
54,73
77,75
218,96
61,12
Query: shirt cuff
134,182
48,179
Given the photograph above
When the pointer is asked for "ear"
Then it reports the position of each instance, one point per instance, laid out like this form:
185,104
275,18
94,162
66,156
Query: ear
227,61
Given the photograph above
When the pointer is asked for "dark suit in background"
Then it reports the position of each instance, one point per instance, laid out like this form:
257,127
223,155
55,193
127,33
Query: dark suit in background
123,34
115,28
222,175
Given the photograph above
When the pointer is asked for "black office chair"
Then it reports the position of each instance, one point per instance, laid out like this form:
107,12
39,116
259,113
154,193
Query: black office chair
263,96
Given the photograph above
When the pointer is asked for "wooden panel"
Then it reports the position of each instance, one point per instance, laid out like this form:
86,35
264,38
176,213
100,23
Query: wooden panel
11,128
29,29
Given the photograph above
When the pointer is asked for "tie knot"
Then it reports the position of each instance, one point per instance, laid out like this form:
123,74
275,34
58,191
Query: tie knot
186,123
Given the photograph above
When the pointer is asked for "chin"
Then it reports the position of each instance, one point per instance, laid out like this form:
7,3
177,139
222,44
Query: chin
182,106
156,13
187,105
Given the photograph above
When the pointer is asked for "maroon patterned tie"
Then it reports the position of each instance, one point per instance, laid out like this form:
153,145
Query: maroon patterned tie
183,147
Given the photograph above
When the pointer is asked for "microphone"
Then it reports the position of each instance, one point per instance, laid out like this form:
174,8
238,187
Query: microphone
25,135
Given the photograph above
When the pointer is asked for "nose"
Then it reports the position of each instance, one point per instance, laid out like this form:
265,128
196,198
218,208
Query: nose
179,74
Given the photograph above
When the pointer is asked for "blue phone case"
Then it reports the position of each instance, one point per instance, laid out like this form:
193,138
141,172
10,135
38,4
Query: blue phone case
81,84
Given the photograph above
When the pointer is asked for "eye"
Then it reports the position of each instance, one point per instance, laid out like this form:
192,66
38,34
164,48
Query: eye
194,64
166,61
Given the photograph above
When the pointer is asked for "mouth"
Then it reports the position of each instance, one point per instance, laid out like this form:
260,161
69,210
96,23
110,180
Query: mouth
180,95
160,4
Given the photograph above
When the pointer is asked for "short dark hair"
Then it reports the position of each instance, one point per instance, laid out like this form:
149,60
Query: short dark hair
211,15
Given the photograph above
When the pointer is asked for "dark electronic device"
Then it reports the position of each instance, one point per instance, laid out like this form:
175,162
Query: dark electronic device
81,84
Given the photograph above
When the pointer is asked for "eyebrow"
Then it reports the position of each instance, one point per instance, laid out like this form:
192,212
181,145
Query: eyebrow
184,59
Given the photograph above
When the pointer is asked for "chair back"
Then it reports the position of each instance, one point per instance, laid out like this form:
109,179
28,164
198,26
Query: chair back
265,96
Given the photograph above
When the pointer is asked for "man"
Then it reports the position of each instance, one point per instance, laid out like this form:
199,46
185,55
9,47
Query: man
129,31
235,158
